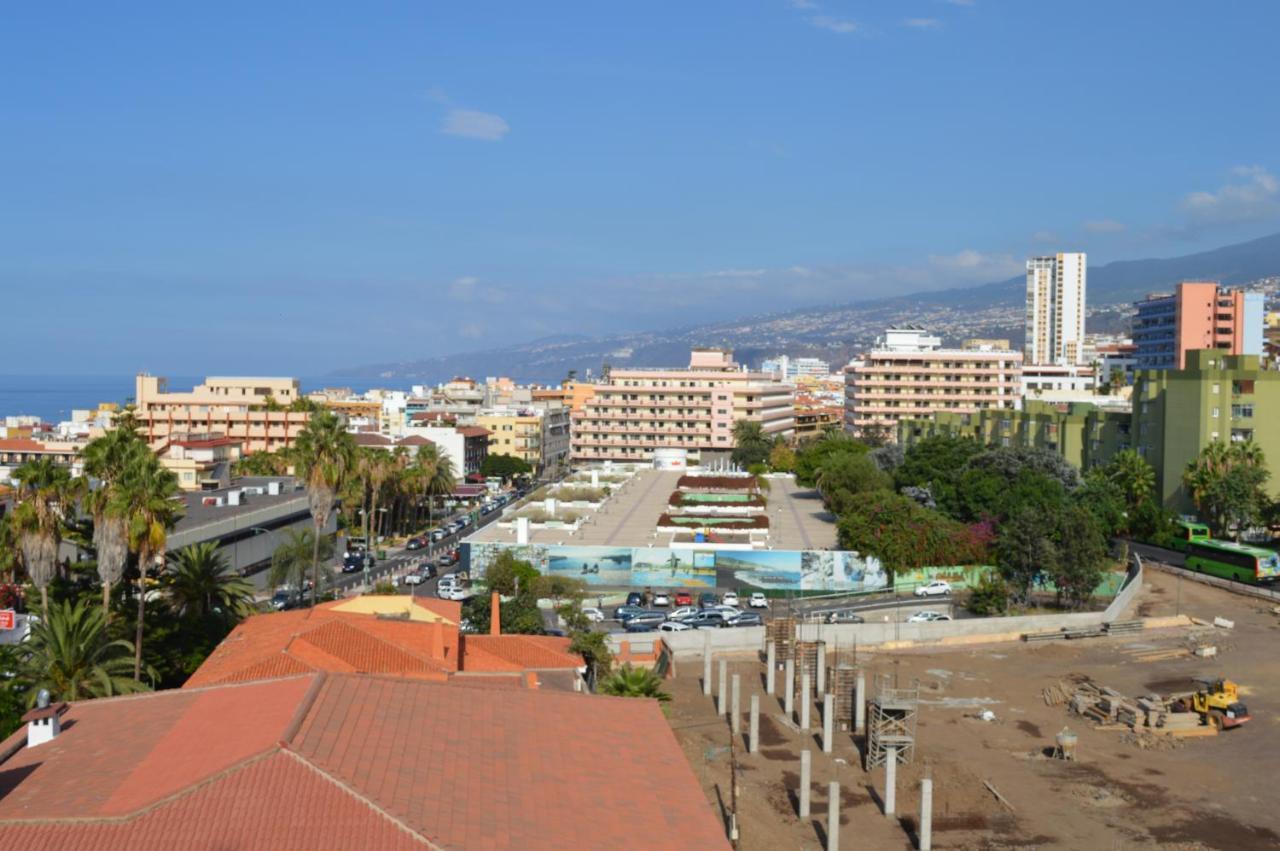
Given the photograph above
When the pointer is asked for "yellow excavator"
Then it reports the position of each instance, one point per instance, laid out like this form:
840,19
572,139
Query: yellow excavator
1217,701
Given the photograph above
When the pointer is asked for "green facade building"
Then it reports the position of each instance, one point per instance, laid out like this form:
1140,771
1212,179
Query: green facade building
1174,414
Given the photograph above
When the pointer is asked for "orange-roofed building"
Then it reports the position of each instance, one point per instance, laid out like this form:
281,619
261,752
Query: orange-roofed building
324,761
400,636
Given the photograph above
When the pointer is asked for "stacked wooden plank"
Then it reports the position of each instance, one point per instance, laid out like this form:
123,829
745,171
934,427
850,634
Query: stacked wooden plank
1111,710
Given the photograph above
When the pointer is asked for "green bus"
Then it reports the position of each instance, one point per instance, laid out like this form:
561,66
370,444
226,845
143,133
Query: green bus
1233,561
1186,531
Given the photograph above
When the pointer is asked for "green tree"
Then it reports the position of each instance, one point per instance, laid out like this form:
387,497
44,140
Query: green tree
294,555
200,585
44,494
520,584
263,463
1104,499
107,459
989,597
750,444
936,463
846,476
324,454
505,467
782,458
1025,551
903,535
814,455
146,498
1081,557
1228,483
634,682
69,654
1135,478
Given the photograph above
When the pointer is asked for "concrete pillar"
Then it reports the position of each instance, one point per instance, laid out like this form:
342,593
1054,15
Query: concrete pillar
926,814
706,671
771,668
735,723
890,780
722,707
806,701
753,729
822,670
860,704
789,683
828,721
833,817
804,783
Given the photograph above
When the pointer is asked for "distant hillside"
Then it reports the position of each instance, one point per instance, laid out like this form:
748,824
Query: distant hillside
837,332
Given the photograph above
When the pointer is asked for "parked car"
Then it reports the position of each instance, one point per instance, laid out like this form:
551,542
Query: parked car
353,562
706,619
730,598
683,598
645,616
845,617
438,535
456,593
416,576
758,600
641,626
415,543
725,611
673,626
706,599
450,558
623,612
936,588
682,613
745,619
282,600
635,598
593,614
662,598
928,617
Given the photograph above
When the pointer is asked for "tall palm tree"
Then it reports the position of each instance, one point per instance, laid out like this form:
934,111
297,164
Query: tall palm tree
293,556
68,653
44,493
380,467
106,459
440,482
324,453
145,498
200,584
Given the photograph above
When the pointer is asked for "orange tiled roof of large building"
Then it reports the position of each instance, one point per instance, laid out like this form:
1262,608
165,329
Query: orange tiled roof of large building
347,761
401,636
502,653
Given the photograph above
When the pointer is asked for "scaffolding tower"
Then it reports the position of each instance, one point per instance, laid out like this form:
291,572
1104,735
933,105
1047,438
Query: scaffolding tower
891,722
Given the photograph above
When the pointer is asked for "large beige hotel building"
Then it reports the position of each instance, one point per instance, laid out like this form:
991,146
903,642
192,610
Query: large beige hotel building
234,408
635,412
910,376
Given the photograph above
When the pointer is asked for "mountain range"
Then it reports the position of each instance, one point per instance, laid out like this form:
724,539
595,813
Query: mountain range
838,332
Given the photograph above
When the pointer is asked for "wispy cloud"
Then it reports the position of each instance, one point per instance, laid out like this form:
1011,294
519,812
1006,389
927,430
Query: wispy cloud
976,264
841,26
473,124
1252,195
1104,226
923,23
1044,236
802,4
469,289
959,2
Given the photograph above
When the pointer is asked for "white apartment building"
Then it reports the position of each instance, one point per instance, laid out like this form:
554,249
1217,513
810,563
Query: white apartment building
789,368
636,411
1056,287
910,376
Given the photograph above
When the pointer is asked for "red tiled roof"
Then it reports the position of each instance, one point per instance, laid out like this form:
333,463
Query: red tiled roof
346,761
323,639
413,440
371,439
23,444
491,653
473,431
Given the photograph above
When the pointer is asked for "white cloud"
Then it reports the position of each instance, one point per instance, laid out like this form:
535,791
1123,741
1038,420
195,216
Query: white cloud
1104,226
737,273
469,289
923,23
473,124
841,26
1254,195
975,264
1044,236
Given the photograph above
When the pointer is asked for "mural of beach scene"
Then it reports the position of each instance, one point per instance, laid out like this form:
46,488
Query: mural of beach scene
593,565
827,570
663,567
765,569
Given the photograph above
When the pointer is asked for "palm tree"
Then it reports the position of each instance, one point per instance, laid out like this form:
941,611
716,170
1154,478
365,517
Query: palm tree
380,467
440,482
68,653
200,585
324,454
293,556
145,498
1133,475
106,459
43,495
634,682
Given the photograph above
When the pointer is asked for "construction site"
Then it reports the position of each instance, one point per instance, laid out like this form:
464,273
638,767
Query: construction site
1158,733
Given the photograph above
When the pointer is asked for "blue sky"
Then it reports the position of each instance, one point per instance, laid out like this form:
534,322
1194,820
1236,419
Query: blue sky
295,187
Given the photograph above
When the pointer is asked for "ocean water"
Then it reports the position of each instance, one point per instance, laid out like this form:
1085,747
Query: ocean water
52,398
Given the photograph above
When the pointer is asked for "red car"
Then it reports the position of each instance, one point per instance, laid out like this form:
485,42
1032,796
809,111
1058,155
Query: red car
683,598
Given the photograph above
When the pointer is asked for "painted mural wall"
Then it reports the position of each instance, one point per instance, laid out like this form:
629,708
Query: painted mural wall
640,567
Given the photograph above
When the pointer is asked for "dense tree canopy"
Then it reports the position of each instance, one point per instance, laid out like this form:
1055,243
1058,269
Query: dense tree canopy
505,467
902,534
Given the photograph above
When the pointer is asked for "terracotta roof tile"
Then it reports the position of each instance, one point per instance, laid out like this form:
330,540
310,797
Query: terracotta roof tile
517,653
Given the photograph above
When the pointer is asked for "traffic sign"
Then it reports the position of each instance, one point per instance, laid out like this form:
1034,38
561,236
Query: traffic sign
8,619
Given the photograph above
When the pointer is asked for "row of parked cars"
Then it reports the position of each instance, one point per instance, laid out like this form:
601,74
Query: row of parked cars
709,612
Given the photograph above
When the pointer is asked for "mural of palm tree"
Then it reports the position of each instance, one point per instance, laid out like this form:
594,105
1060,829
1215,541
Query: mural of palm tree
325,455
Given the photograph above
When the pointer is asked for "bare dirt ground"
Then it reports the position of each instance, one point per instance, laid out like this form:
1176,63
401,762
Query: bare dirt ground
1219,792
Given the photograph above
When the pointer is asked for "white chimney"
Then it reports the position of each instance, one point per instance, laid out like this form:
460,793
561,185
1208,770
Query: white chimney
233,497
522,530
273,488
44,723
549,506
